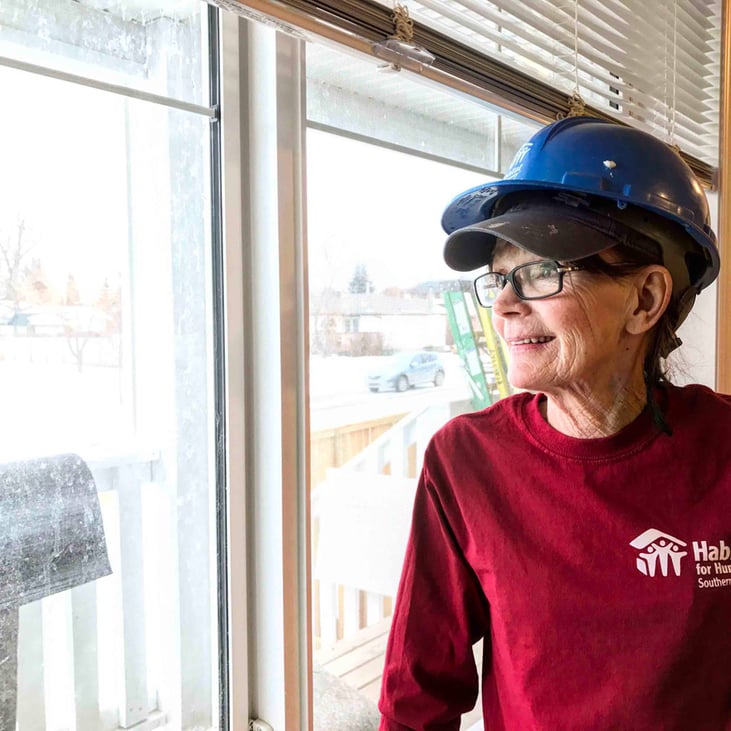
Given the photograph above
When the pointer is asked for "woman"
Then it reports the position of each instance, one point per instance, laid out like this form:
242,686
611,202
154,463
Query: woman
583,526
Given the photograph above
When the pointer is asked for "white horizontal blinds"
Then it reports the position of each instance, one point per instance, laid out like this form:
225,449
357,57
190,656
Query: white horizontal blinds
650,63
654,64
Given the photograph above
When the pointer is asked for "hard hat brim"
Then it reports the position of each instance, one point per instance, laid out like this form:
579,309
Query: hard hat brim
544,231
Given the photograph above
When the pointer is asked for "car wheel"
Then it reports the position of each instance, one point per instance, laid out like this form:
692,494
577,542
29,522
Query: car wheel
402,384
439,378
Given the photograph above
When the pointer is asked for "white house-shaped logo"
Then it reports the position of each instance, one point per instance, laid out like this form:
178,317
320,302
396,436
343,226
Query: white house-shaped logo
517,161
658,549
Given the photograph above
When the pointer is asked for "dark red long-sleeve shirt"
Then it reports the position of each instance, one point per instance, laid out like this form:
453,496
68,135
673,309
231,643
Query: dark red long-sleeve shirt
598,571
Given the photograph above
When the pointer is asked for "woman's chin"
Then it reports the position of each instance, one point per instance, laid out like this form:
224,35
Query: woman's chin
524,381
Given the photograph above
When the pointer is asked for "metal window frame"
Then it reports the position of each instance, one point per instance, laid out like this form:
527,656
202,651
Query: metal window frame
232,663
235,706
263,120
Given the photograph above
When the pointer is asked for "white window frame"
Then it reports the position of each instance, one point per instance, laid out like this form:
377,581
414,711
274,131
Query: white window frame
266,330
233,237
264,122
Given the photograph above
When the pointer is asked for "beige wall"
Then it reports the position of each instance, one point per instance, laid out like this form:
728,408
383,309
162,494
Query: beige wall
695,361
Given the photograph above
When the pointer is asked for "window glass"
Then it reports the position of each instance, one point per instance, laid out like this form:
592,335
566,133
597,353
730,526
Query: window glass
365,98
107,534
154,46
397,345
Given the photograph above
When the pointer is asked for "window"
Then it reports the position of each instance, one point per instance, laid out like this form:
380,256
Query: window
106,353
111,346
385,154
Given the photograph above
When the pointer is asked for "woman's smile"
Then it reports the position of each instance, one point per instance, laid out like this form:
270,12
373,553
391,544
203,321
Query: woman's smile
529,340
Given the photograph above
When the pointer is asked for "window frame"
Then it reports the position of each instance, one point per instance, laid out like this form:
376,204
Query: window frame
217,628
263,121
266,357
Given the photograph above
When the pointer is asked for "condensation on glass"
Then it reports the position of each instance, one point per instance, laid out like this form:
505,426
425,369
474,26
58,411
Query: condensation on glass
397,344
106,481
147,45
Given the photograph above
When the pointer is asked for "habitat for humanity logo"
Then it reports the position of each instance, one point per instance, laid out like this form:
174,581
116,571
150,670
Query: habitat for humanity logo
517,163
658,549
661,554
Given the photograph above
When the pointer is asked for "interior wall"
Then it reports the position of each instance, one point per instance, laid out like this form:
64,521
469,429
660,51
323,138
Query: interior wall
695,361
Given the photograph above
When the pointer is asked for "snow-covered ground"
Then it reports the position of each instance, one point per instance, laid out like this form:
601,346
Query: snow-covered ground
338,375
339,392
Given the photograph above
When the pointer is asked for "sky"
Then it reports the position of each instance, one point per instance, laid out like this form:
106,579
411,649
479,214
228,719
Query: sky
63,175
372,205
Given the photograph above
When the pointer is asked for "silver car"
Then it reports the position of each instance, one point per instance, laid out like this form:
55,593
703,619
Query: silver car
404,370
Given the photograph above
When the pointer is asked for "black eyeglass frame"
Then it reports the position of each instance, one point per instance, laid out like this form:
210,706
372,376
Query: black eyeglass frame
503,279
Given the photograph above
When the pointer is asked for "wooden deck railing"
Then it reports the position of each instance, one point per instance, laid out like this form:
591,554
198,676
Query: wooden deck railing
361,515
110,654
85,659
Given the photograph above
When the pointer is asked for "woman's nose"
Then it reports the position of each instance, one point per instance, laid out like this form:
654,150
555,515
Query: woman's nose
507,301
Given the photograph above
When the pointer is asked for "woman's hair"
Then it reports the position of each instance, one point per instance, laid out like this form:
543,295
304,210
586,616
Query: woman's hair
662,337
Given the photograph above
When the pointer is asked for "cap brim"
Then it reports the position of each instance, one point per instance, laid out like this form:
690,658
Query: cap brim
546,232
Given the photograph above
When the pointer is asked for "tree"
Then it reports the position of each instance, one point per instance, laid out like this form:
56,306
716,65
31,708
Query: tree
72,292
104,318
77,340
34,286
359,282
109,302
15,245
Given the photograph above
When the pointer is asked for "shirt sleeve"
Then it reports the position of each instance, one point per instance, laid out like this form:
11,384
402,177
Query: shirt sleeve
429,677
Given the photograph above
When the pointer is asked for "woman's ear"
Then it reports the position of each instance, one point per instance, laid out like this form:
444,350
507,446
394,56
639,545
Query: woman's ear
653,287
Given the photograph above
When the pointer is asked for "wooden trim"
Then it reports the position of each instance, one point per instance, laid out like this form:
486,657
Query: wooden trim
723,314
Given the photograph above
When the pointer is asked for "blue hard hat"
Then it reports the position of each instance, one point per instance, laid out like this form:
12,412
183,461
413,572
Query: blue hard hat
593,158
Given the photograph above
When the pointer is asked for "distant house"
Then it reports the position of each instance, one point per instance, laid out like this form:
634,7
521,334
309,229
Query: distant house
372,324
37,321
57,321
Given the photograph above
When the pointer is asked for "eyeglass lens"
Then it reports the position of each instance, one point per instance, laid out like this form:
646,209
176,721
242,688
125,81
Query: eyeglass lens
530,281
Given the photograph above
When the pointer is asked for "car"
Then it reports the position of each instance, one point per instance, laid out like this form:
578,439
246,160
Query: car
405,370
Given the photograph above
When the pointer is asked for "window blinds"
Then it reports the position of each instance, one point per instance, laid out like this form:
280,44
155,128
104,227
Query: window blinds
653,64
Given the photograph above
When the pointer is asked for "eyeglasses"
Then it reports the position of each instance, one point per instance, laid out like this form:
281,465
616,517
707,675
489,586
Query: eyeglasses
532,281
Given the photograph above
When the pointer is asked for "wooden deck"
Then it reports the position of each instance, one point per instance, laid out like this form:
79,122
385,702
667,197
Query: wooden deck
358,661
